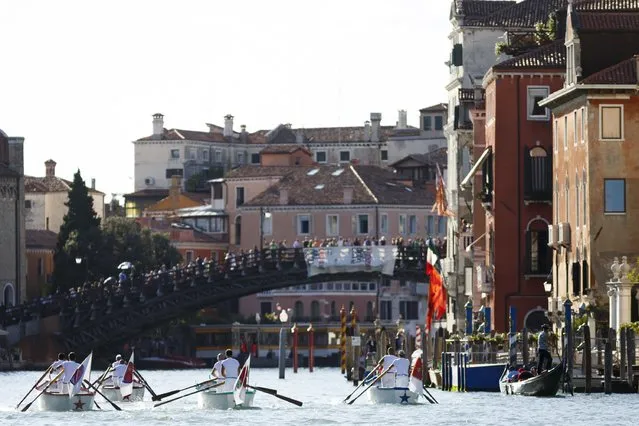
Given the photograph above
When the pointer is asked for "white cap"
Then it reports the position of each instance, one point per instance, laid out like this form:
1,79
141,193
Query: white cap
118,357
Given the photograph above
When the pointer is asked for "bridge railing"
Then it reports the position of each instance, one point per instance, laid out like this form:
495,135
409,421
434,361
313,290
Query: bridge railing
143,286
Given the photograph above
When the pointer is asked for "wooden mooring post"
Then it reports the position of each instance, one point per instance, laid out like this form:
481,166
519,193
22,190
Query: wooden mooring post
622,354
630,348
587,358
524,346
608,362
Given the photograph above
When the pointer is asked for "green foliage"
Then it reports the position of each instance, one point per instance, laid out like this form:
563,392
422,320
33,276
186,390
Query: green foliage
197,182
632,325
633,275
500,47
79,237
545,32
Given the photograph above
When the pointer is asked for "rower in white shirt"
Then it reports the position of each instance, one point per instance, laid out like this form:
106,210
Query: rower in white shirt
402,364
216,372
230,370
69,368
118,358
387,363
118,373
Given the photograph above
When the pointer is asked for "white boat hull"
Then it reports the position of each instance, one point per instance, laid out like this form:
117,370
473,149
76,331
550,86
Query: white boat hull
50,401
114,394
379,395
223,400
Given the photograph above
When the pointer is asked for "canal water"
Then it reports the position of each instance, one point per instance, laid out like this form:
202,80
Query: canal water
322,393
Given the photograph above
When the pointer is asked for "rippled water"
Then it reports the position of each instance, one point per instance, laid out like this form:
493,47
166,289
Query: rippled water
322,393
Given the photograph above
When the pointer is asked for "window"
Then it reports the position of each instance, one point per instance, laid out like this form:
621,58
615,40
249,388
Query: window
402,224
408,309
239,196
315,310
344,156
565,132
574,128
583,125
255,158
384,154
441,225
567,199
614,195
332,225
303,224
27,204
556,201
430,225
412,225
555,136
439,122
383,223
191,153
539,255
428,123
218,157
175,153
386,310
611,122
189,256
240,158
362,224
537,175
40,267
217,191
577,199
267,224
535,95
584,195
320,156
298,310
174,172
265,308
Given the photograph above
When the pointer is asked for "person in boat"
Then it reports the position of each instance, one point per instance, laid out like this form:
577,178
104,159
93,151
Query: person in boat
69,366
388,380
544,358
118,373
402,364
118,358
216,372
230,370
523,375
57,364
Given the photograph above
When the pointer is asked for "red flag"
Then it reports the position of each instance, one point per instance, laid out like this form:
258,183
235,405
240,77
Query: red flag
436,290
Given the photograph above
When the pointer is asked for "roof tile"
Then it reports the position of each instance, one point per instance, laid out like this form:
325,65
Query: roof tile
551,55
622,73
41,239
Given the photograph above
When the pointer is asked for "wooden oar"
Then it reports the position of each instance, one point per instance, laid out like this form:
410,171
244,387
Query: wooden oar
173,392
55,379
372,383
103,396
434,401
361,384
146,385
86,382
274,393
189,394
34,386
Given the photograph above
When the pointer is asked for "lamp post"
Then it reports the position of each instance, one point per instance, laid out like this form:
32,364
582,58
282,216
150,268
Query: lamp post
264,214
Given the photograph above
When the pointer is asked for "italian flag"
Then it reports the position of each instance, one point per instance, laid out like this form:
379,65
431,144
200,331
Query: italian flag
436,290
415,383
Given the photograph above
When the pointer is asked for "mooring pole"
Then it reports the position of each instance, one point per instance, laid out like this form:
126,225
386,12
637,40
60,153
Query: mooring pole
294,330
282,360
512,338
587,358
342,339
311,347
355,346
608,362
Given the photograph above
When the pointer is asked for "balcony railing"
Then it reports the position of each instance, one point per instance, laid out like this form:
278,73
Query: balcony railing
472,95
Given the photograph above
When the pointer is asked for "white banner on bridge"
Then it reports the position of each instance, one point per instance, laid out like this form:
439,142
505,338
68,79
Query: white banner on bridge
333,260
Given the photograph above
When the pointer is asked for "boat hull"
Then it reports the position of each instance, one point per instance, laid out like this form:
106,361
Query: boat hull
379,395
62,402
114,394
546,384
211,400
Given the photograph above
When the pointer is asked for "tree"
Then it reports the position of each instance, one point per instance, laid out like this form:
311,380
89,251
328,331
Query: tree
79,237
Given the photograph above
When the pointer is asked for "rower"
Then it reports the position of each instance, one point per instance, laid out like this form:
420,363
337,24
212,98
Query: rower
388,380
118,373
69,367
401,370
216,372
230,370
55,369
118,358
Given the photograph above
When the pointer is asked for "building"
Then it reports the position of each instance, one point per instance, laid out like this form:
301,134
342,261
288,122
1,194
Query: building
511,180
40,245
595,122
199,156
12,232
45,199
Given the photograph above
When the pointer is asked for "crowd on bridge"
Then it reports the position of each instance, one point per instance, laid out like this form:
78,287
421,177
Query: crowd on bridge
156,282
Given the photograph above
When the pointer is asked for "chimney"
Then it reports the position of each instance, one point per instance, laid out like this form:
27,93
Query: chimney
402,122
299,136
243,134
93,184
348,195
376,119
49,167
367,131
158,125
176,187
283,196
288,125
228,126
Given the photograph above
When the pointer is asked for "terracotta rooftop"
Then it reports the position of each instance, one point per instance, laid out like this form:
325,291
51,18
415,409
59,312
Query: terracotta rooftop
552,55
437,156
601,5
342,134
46,184
283,149
324,185
608,21
163,193
622,73
524,14
435,108
474,11
41,239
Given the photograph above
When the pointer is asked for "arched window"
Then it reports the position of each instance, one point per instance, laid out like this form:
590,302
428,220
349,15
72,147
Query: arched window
238,230
567,200
577,199
369,311
333,309
299,310
538,254
315,310
8,295
537,175
584,195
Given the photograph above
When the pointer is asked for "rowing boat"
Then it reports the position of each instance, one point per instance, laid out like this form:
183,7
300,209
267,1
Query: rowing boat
210,399
545,384
61,401
395,395
114,393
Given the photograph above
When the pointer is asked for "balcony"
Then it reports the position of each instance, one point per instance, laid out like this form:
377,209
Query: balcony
472,95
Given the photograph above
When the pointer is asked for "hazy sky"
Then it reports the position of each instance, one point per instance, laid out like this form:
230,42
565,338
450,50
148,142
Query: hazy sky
81,79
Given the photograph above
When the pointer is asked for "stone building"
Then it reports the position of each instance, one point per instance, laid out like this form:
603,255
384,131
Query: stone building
12,232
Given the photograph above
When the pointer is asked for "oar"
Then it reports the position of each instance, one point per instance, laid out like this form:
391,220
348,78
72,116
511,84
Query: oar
434,401
103,396
189,394
86,382
55,379
274,393
372,383
34,386
146,384
361,384
173,392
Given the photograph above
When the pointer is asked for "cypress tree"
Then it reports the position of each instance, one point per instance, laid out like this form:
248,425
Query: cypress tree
79,237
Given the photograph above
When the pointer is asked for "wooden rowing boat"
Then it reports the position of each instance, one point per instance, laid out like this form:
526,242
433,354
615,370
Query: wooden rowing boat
545,384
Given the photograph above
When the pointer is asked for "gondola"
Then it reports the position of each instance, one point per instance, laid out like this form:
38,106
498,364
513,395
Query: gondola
545,384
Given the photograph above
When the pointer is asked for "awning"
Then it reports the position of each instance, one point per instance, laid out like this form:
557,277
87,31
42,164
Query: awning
476,166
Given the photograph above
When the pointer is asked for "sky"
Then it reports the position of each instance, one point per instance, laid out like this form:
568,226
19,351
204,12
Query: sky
80,79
